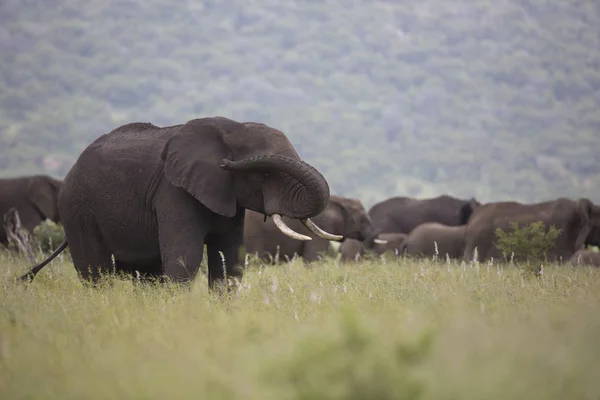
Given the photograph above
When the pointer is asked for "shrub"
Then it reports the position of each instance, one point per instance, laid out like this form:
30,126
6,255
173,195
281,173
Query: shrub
48,236
355,364
528,243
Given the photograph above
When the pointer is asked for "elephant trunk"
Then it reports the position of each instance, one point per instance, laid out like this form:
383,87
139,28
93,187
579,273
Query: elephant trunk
308,189
371,240
306,192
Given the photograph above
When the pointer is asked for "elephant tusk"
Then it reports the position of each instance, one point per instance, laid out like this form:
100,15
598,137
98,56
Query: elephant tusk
380,241
318,231
287,230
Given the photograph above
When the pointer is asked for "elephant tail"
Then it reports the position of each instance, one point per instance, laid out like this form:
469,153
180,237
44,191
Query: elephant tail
34,270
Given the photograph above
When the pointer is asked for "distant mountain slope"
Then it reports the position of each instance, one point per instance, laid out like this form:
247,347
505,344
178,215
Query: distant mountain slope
492,99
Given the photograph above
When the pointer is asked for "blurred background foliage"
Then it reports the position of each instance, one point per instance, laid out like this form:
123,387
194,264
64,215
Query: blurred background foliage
493,99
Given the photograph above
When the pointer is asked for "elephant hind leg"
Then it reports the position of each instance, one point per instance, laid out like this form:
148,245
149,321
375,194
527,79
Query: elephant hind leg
90,256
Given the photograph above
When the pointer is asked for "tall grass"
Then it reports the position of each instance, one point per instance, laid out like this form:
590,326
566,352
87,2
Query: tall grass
380,329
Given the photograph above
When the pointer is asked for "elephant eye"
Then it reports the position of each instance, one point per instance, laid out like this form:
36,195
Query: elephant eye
266,174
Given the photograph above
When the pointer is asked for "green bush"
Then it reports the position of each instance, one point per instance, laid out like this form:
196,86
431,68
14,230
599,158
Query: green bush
48,236
355,364
528,243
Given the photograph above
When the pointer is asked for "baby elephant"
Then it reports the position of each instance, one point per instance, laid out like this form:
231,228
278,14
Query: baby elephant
586,257
352,249
423,240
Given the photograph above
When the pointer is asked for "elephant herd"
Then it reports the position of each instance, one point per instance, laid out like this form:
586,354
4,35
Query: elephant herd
144,200
466,229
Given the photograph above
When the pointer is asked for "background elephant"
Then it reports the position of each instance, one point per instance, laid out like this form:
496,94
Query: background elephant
153,196
351,247
403,214
342,216
579,222
450,240
586,257
35,198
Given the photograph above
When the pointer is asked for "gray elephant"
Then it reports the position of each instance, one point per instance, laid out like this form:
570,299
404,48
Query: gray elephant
578,221
433,238
586,257
153,196
403,214
353,249
343,216
35,198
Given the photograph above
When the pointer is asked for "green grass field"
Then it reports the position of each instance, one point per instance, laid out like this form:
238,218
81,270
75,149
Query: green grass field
394,329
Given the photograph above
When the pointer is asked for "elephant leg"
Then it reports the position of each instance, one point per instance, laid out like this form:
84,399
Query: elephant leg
482,248
224,249
90,255
179,264
182,228
312,249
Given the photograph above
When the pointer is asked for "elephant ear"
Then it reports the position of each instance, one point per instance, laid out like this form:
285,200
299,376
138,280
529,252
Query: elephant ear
337,212
465,213
192,161
585,210
43,193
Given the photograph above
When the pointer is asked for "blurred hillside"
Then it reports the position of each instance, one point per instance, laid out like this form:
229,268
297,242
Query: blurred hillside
496,99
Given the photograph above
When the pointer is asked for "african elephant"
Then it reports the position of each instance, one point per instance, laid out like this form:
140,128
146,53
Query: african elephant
352,249
578,221
586,257
403,214
35,198
153,196
426,238
342,216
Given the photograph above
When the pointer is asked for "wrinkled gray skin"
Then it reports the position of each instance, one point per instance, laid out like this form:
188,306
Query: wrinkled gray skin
153,196
351,247
450,241
342,216
403,214
586,257
579,222
35,198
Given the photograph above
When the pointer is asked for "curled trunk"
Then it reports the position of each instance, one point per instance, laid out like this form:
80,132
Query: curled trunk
307,193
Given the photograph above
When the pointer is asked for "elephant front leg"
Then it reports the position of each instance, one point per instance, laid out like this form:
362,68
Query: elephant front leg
181,240
223,258
182,266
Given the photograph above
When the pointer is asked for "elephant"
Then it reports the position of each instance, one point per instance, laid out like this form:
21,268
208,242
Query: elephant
35,198
402,214
353,249
578,221
585,257
151,197
343,216
426,238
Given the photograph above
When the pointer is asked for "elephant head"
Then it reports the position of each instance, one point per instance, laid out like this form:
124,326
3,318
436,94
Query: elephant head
589,232
226,165
467,210
348,215
43,194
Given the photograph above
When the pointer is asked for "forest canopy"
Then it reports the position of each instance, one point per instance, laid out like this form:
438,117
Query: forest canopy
489,99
